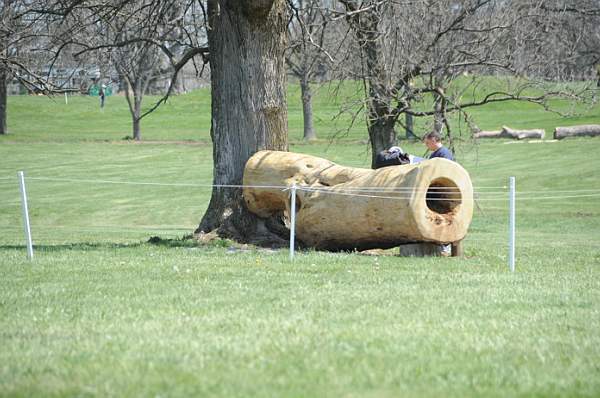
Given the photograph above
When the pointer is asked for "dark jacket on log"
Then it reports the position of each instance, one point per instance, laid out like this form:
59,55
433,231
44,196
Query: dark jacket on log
387,158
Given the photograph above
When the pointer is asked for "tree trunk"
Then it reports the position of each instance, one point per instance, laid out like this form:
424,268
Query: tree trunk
141,84
309,133
438,117
135,117
439,104
381,134
410,134
577,131
381,119
249,111
137,133
3,76
3,99
133,95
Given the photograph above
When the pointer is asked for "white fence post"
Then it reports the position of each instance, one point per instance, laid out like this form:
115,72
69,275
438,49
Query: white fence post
511,226
25,215
292,220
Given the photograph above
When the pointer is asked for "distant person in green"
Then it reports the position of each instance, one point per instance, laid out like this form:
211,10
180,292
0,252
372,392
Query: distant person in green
102,95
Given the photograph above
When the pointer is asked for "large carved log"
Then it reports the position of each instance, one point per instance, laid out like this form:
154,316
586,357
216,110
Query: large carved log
507,132
340,208
577,131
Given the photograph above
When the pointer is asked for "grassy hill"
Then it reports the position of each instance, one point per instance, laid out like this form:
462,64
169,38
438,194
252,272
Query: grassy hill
102,312
187,117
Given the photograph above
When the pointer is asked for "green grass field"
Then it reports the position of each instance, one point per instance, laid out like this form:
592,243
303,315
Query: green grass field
102,312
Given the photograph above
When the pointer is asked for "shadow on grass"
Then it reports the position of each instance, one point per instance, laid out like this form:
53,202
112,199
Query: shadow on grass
185,241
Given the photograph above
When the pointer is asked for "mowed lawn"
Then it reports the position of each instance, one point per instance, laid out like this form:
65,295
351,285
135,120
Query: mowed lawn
102,312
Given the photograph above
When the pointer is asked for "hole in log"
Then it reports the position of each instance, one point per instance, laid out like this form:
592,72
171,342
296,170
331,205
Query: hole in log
443,196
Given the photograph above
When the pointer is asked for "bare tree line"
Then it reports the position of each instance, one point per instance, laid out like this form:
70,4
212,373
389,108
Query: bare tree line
417,58
412,53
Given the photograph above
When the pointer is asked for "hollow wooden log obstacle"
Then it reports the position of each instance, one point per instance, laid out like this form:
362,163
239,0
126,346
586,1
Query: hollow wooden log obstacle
345,208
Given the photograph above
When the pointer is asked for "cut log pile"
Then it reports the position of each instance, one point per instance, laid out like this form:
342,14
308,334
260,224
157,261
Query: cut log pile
589,130
345,208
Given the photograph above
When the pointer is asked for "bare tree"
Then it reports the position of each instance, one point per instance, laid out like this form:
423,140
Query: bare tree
136,57
413,52
306,55
137,38
578,41
24,49
246,44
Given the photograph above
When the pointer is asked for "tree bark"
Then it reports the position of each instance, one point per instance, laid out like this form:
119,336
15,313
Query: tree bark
3,76
136,116
381,133
438,117
577,131
135,108
137,132
247,40
134,100
381,119
309,132
409,127
3,100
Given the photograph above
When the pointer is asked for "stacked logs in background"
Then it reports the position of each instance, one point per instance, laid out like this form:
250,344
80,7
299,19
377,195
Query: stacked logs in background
589,130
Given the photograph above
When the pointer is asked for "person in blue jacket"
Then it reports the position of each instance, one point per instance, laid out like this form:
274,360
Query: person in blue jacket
433,142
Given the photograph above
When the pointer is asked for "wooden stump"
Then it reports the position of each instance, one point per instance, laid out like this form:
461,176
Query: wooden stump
341,208
457,249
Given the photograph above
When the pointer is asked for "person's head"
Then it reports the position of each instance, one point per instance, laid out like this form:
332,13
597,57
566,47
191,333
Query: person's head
432,140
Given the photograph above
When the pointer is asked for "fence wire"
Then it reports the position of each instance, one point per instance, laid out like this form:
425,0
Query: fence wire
482,194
